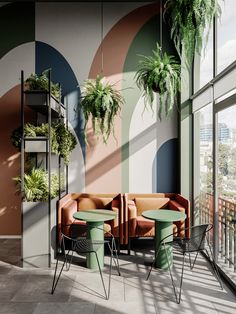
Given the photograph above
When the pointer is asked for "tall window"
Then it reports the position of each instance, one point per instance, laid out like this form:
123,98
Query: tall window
226,35
203,143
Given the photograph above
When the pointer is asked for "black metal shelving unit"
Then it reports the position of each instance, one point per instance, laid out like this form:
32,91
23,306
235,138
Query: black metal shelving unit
32,217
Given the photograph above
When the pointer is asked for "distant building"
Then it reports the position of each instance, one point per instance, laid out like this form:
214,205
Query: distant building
206,133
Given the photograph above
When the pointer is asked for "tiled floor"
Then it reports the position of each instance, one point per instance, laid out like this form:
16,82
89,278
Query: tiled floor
26,291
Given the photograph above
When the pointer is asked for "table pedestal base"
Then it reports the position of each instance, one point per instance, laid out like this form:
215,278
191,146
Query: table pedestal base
163,229
93,235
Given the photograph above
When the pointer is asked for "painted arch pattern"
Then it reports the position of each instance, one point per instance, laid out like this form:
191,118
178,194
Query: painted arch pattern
67,40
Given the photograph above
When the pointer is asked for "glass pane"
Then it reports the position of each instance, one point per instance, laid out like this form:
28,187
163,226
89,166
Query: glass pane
203,165
226,35
203,66
226,183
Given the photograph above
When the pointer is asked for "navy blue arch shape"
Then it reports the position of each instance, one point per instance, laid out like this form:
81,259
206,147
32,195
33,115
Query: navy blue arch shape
48,57
165,168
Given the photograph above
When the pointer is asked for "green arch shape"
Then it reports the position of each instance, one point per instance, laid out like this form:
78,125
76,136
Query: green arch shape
143,43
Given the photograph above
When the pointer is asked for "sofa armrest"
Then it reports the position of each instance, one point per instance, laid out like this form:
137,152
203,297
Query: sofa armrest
115,206
186,204
132,215
67,212
173,205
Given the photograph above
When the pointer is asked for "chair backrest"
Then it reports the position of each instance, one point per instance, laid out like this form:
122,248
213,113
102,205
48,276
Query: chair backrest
198,236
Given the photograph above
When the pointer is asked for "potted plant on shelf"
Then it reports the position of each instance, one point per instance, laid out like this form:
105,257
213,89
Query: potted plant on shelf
188,21
159,73
36,85
62,140
101,102
36,185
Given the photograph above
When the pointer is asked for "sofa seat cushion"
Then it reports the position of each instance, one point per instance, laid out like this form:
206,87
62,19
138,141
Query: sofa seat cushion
148,203
85,203
145,227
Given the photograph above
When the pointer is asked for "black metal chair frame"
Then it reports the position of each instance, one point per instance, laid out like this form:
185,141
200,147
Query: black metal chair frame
83,245
185,247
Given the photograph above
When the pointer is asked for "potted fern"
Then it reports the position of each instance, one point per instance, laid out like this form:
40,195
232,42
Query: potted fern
159,73
188,20
35,216
101,102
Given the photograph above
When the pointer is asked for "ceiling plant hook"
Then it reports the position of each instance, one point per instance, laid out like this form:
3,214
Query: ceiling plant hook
102,31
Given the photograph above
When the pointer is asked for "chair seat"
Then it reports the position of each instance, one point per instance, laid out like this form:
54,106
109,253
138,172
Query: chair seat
79,229
87,246
186,245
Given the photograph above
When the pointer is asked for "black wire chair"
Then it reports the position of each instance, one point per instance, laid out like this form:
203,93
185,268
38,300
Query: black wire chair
197,242
83,245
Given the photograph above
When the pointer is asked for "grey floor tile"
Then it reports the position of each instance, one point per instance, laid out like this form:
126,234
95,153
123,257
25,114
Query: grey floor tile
17,308
62,308
125,308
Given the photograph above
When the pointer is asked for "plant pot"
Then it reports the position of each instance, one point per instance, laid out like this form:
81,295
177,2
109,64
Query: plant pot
35,234
155,88
34,145
37,100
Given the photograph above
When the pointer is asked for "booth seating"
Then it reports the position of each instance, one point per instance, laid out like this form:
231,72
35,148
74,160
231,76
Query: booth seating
137,226
73,202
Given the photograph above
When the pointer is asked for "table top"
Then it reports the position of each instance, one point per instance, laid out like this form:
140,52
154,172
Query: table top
95,215
164,215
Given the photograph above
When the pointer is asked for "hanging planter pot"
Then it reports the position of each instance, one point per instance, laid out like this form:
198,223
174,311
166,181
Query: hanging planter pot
101,102
159,73
188,21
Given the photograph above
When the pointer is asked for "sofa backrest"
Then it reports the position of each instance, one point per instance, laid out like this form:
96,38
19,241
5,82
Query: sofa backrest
147,203
73,202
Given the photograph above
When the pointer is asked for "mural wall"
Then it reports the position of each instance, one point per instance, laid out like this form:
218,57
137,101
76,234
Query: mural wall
67,37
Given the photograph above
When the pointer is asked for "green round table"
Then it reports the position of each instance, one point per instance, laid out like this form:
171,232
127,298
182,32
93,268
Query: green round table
95,219
163,227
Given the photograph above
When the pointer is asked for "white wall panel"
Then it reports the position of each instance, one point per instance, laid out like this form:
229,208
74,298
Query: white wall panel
20,58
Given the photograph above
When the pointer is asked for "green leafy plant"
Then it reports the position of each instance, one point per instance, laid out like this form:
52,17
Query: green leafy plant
40,82
159,73
101,102
36,185
66,141
62,140
188,20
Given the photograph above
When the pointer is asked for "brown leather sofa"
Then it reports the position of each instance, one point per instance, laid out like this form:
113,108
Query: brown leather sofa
74,202
135,204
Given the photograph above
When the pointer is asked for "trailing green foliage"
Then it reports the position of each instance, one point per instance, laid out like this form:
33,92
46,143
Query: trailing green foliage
40,82
62,140
66,141
188,20
36,185
160,72
101,102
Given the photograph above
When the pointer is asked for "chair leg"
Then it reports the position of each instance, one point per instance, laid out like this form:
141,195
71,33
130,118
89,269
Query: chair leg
195,258
116,260
154,261
213,264
129,245
181,280
106,296
55,281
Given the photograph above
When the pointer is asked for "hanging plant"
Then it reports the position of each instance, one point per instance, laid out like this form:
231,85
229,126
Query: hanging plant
188,20
159,73
101,102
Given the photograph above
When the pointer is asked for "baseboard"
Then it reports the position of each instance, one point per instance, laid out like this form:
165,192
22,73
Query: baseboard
10,236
